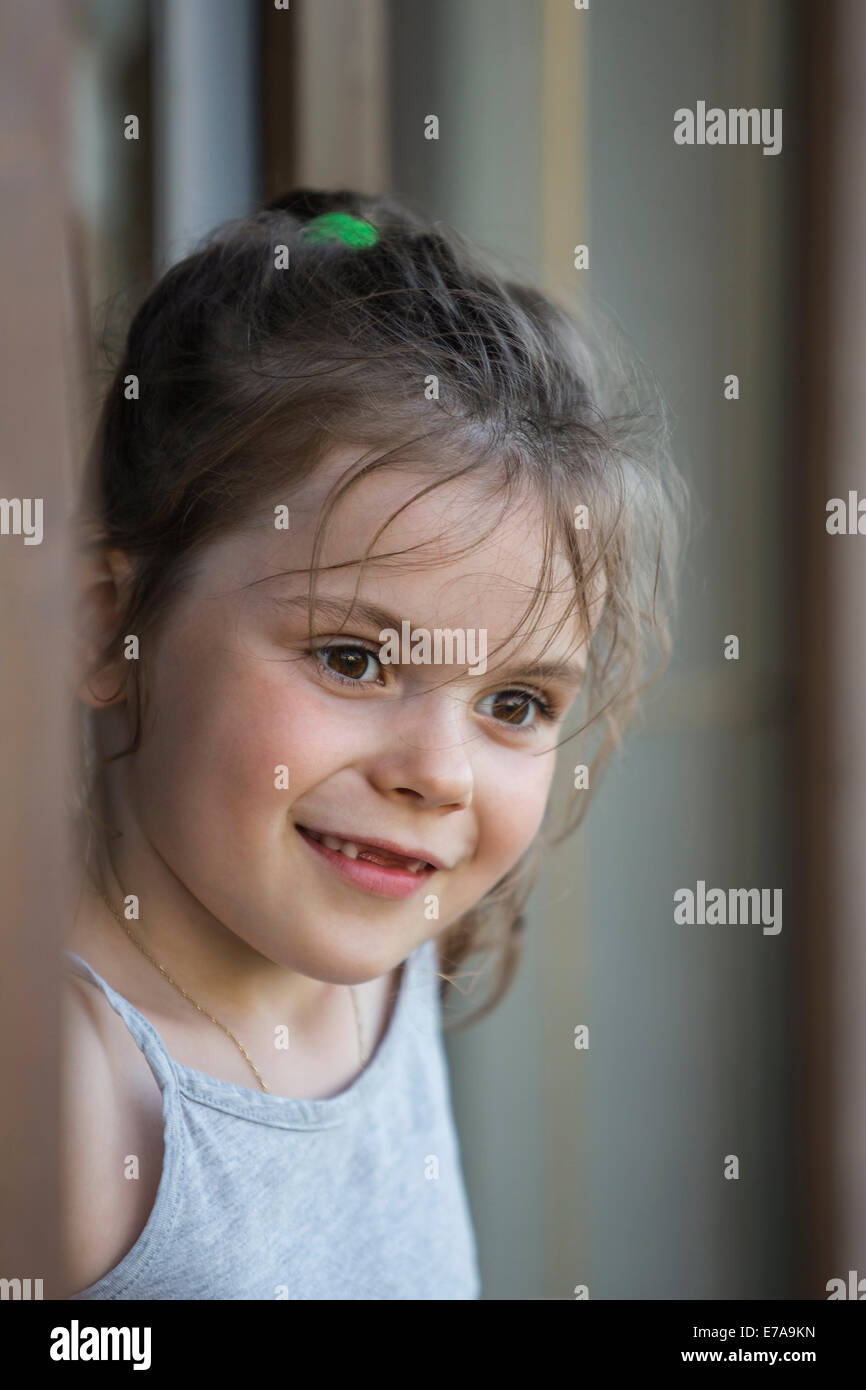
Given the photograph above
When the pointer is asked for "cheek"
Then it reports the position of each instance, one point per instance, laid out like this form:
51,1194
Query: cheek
225,721
513,809
217,727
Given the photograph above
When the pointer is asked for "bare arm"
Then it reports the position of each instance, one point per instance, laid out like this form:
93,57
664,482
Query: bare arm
112,1109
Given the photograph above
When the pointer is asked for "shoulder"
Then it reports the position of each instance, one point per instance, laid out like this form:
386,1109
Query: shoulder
112,1113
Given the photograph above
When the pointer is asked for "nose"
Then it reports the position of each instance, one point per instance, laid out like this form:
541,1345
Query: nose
425,756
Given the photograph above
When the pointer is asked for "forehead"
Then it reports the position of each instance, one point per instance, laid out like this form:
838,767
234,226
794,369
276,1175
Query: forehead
460,554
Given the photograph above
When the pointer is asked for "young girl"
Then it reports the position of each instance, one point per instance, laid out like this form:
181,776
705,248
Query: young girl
362,538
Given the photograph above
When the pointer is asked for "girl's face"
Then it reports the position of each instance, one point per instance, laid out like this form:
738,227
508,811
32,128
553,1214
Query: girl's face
255,737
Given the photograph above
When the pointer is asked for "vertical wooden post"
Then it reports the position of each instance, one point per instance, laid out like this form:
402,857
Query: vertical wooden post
846,670
815,1063
325,96
38,409
563,196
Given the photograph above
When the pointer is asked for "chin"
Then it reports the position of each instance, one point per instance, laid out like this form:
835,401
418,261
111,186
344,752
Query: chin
351,961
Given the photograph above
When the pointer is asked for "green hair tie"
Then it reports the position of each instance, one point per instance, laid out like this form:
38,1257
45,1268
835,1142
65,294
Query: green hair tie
340,226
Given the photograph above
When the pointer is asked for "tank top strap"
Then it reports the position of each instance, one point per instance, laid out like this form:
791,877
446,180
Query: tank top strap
141,1028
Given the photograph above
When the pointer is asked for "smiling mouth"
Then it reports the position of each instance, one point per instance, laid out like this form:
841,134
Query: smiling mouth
372,854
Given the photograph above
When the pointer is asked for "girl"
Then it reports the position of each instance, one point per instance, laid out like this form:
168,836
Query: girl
361,534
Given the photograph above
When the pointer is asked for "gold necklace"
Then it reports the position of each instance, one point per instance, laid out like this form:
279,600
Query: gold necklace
238,1044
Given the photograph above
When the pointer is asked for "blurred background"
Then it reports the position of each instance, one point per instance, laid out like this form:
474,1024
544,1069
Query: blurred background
602,1167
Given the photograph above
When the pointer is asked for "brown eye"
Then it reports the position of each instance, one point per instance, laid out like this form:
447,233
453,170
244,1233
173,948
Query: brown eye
355,664
520,709
512,707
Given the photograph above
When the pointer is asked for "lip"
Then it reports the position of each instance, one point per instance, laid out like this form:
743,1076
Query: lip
382,882
390,845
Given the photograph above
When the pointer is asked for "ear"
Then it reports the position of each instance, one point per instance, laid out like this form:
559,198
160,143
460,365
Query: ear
106,575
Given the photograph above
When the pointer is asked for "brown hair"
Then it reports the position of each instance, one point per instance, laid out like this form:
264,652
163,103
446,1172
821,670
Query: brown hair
422,346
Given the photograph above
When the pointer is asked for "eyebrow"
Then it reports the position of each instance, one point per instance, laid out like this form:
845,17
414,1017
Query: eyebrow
570,672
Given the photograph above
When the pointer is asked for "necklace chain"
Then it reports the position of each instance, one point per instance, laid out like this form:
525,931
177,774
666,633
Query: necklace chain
238,1044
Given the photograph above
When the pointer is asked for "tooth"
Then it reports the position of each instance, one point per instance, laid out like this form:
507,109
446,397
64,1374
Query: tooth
330,843
350,850
415,865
